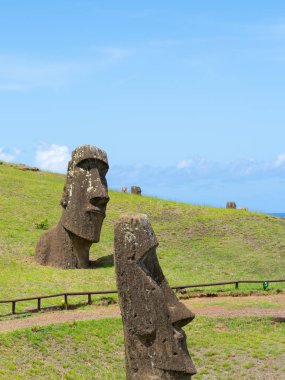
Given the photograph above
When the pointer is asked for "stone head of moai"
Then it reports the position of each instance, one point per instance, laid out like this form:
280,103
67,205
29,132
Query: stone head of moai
153,317
85,194
84,202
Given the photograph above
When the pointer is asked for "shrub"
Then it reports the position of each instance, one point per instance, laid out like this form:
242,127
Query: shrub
43,225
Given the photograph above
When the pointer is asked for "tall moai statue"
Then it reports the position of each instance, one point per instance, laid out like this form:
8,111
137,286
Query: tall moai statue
153,317
84,201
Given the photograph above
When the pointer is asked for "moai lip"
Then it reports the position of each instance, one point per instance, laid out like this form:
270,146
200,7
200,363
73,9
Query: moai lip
84,202
153,317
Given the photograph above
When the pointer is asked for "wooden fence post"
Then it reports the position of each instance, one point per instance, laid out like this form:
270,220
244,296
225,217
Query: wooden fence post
66,301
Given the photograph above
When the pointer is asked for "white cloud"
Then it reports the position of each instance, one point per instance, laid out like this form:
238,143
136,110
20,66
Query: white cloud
9,157
280,161
53,158
184,164
195,163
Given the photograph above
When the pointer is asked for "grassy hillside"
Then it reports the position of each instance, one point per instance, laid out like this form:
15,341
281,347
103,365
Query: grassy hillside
197,244
221,348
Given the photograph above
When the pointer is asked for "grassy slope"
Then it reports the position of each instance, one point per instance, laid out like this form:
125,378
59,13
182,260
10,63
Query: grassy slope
221,349
197,244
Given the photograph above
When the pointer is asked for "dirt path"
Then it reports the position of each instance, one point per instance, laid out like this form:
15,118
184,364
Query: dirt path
273,306
259,306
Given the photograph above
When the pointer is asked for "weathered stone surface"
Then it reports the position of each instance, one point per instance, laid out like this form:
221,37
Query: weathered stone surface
231,205
153,317
136,190
84,202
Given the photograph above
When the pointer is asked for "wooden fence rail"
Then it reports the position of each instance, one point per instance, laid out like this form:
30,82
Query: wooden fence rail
89,294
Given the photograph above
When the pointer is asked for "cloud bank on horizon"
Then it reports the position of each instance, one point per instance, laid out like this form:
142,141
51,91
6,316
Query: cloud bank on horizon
194,180
55,158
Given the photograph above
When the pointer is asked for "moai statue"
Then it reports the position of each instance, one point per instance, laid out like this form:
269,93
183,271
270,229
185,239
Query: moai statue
136,190
84,202
153,317
231,205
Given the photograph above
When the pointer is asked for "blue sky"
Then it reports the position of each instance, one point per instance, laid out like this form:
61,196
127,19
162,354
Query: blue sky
186,97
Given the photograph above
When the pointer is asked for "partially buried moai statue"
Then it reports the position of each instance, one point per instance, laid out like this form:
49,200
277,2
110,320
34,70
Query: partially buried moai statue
84,202
153,317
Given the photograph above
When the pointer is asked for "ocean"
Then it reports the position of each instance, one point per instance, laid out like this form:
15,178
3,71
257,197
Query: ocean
279,214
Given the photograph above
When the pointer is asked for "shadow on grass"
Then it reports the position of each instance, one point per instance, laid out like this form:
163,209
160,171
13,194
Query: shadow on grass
102,262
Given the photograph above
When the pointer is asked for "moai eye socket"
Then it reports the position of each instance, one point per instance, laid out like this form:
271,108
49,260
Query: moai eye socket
87,164
91,163
149,264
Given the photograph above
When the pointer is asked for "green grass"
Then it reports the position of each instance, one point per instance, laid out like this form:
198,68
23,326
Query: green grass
221,348
238,303
197,244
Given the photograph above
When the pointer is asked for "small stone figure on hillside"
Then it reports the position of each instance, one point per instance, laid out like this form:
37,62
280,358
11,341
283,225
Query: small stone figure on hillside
84,202
153,317
136,190
231,205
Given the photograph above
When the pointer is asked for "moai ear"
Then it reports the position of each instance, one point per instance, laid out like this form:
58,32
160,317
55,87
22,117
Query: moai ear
65,194
64,199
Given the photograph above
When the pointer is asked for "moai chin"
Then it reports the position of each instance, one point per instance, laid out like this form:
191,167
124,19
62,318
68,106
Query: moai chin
153,317
84,202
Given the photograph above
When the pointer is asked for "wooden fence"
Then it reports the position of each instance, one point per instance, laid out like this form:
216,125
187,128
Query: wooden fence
89,294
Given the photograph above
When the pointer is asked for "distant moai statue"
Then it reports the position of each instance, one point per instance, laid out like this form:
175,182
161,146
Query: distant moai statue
124,189
136,190
231,205
153,317
84,202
